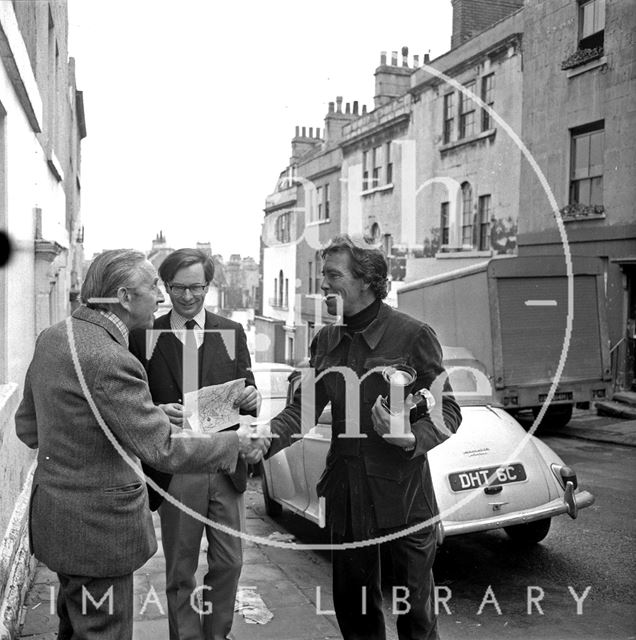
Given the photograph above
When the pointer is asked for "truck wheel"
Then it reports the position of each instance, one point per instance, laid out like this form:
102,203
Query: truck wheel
556,416
530,532
272,508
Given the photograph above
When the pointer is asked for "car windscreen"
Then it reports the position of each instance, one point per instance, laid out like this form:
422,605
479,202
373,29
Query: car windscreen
470,383
272,384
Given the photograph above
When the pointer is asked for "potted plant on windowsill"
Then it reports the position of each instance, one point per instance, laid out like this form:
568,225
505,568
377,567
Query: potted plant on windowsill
578,210
581,56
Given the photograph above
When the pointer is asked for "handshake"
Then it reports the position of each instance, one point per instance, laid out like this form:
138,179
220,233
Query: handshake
254,441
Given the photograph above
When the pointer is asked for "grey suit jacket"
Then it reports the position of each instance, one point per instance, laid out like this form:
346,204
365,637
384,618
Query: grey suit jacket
89,507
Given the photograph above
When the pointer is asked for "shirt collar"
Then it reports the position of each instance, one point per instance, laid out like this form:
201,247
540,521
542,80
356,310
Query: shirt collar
117,321
372,334
177,321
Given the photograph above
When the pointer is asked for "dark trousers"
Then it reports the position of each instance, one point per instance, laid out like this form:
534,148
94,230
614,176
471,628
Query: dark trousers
357,592
212,495
80,616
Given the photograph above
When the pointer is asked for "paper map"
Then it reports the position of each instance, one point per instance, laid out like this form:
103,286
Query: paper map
213,407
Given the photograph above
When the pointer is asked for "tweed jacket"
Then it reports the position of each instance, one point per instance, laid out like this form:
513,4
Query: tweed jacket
223,357
368,483
93,420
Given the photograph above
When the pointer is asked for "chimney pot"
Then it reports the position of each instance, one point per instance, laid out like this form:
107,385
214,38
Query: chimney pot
304,132
311,132
297,131
383,58
416,61
339,104
405,55
355,107
364,109
394,58
348,108
331,107
427,58
317,132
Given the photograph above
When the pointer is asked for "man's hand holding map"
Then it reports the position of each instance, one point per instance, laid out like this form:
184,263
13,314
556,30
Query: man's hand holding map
214,408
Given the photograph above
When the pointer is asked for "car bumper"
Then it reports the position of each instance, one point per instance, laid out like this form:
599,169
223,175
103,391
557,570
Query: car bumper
556,507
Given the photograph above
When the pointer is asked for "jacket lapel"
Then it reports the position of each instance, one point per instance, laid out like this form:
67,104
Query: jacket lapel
210,349
168,348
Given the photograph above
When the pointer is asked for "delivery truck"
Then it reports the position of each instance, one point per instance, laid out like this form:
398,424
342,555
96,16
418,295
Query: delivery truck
511,313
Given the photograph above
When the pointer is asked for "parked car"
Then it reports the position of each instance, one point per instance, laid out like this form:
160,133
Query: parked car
272,382
491,474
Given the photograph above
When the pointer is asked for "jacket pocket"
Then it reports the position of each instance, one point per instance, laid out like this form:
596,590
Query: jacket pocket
131,487
386,469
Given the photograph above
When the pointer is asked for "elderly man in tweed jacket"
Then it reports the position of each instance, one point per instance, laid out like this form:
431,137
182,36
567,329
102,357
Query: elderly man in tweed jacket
88,409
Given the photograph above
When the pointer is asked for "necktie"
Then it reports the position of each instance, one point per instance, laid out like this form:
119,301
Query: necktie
191,359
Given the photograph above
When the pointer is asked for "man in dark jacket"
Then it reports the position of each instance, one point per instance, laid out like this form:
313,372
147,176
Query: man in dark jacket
220,348
377,481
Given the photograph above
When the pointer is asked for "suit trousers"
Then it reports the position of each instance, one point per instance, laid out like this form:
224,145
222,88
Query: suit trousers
95,608
214,496
357,593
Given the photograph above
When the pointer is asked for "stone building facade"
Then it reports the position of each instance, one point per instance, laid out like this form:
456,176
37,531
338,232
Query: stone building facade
579,118
41,127
439,173
390,172
467,162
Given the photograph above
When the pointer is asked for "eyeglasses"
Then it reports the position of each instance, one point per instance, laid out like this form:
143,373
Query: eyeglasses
194,289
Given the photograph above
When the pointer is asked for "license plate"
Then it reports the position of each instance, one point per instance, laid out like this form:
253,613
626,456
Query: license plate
504,474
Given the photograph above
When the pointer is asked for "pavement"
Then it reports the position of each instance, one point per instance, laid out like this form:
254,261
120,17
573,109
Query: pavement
273,581
587,425
290,586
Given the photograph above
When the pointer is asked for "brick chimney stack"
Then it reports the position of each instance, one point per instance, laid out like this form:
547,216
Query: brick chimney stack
337,118
471,17
303,142
392,80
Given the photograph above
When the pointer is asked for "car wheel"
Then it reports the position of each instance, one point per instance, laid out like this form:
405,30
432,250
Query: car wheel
272,508
530,532
556,416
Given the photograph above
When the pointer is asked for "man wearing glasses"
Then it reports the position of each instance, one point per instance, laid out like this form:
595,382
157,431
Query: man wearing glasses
222,356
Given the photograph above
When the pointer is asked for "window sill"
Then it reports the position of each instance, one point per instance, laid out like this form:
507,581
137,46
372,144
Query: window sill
384,187
315,223
582,212
588,66
594,216
461,253
484,135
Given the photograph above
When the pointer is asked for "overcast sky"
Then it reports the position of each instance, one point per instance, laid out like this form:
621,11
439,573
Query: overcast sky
191,105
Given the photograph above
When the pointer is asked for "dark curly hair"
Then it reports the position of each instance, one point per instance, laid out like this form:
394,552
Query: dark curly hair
367,262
